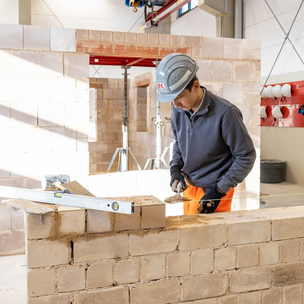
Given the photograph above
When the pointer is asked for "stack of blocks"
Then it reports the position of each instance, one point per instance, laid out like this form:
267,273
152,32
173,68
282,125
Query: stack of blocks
79,256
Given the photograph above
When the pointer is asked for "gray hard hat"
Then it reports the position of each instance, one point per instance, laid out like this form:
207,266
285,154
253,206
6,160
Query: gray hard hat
173,74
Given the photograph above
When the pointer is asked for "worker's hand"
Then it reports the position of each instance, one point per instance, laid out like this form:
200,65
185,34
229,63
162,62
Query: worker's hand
210,201
177,183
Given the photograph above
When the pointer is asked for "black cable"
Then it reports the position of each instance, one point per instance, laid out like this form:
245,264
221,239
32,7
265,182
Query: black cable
282,45
135,22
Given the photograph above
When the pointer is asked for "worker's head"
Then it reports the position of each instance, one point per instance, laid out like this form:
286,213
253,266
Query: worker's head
173,75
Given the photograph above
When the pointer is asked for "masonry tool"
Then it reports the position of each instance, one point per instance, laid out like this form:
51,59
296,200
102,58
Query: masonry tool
60,198
53,182
177,198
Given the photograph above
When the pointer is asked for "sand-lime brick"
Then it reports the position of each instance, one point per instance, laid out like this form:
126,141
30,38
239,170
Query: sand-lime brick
170,264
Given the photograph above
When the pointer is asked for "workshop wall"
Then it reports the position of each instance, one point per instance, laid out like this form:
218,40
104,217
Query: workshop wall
243,257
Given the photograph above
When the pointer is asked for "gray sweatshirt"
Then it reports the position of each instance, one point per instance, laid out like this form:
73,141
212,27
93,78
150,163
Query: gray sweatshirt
212,146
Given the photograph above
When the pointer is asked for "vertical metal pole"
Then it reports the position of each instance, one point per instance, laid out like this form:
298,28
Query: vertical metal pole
124,152
158,124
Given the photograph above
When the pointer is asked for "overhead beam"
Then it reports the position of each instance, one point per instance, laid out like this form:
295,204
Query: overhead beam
25,12
224,11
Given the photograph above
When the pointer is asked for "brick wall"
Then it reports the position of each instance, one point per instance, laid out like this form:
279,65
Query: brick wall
237,257
228,67
44,114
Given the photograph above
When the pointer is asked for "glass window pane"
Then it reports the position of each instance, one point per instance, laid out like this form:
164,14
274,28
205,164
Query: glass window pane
194,3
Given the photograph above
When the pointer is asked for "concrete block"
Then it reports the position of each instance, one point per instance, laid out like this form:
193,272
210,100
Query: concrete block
249,232
63,39
82,35
8,90
37,38
250,280
150,243
5,218
212,47
233,92
63,139
24,164
5,165
241,71
51,114
127,271
225,258
40,226
205,72
214,236
232,48
106,36
99,221
24,114
54,299
37,89
23,63
153,211
130,38
119,37
71,222
272,295
41,282
36,139
290,228
254,297
204,286
63,89
105,247
50,64
12,242
100,275
71,278
178,264
222,71
124,222
229,300
164,39
153,267
94,36
48,253
247,256
288,274
11,36
142,38
162,291
289,251
76,65
153,39
77,114
293,294
106,296
190,40
5,62
5,112
175,40
201,261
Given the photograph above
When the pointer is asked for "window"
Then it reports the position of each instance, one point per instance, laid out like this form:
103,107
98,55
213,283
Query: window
187,7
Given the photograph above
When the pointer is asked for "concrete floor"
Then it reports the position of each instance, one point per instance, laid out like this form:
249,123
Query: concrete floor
281,195
13,268
13,279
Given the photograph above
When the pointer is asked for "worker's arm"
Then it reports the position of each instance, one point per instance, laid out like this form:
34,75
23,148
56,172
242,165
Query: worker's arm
236,136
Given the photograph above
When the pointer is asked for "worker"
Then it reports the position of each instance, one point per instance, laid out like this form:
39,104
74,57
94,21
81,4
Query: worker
212,150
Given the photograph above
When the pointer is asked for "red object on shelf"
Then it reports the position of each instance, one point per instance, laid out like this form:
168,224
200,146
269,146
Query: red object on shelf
289,107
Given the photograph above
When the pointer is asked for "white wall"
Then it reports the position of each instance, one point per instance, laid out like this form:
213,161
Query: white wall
195,23
259,23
